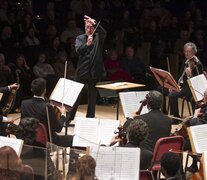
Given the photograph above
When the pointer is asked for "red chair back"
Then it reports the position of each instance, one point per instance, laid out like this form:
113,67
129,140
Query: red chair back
42,136
162,146
145,175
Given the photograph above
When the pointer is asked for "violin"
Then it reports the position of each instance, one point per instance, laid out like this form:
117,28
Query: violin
122,135
11,99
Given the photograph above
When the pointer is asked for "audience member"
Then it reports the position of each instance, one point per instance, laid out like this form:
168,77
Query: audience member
114,68
11,166
85,168
46,71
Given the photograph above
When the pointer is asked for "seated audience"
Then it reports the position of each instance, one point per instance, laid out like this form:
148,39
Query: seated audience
114,68
46,71
11,166
85,168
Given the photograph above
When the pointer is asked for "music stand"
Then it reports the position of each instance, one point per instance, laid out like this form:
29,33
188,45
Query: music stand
165,80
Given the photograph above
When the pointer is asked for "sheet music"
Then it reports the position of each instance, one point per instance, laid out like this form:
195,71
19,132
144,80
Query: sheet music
116,163
85,132
71,91
198,85
109,126
92,131
198,137
130,102
16,144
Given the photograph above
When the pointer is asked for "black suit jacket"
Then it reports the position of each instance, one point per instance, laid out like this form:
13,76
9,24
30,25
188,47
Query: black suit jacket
3,125
36,107
159,126
90,64
145,157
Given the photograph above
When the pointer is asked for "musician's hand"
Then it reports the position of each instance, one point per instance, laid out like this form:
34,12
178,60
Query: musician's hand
62,110
188,72
14,86
170,90
10,120
197,113
89,40
115,140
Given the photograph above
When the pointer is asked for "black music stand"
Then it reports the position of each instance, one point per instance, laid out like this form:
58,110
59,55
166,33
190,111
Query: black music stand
165,80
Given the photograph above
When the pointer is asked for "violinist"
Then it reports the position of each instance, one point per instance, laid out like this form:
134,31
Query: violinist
137,132
191,67
4,121
37,106
199,117
158,123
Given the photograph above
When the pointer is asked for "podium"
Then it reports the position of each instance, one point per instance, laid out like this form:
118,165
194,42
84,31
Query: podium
118,87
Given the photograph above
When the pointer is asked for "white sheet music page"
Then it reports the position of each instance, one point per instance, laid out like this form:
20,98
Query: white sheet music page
199,137
69,94
198,86
130,102
85,132
116,163
16,144
106,130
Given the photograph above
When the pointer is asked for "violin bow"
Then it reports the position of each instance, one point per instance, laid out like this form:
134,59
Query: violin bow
95,28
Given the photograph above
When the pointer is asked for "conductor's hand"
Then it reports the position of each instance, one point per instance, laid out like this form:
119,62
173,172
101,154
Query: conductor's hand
89,19
115,140
89,40
14,86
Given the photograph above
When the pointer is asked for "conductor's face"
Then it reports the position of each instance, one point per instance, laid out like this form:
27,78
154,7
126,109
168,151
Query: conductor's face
89,29
189,52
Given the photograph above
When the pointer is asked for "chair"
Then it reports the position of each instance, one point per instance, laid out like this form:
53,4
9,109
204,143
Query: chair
183,104
162,146
42,136
145,175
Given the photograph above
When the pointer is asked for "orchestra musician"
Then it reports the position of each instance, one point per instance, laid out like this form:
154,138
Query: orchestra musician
158,123
5,121
36,108
191,67
90,68
137,132
199,117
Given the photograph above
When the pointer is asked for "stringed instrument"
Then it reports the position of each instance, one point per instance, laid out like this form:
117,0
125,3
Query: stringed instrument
11,99
122,134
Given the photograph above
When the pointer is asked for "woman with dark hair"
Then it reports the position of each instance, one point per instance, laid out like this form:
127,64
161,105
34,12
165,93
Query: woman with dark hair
85,167
11,166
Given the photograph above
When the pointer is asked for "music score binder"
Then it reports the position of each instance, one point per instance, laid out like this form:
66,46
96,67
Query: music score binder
165,79
66,92
198,138
93,131
198,84
130,102
14,143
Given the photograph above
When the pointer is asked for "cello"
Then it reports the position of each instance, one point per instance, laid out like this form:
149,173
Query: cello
12,96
